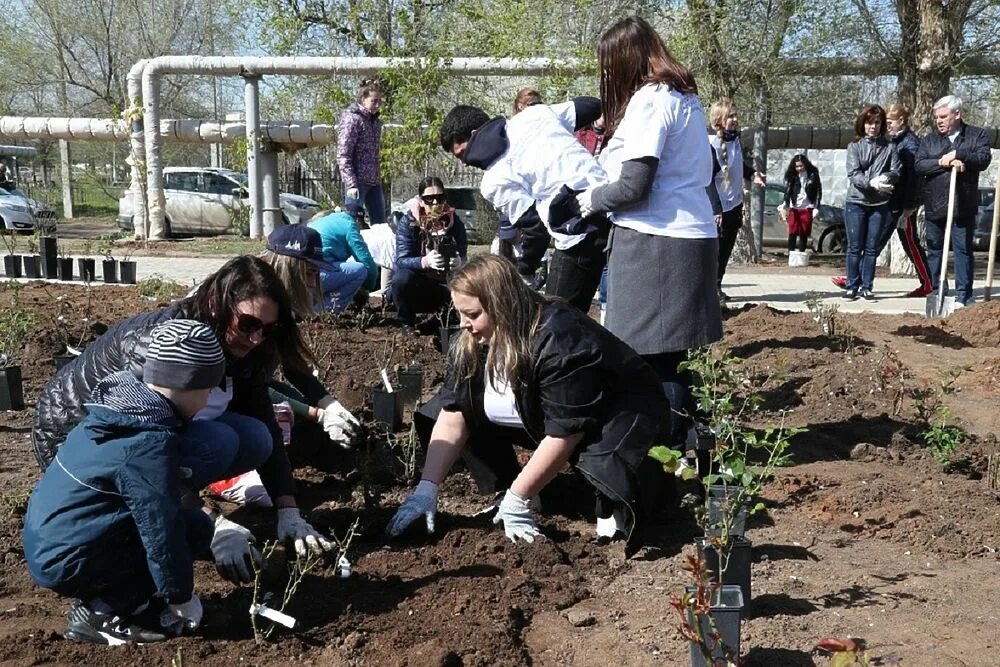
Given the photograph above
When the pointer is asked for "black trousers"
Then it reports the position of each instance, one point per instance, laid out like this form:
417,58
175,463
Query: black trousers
414,292
575,273
728,231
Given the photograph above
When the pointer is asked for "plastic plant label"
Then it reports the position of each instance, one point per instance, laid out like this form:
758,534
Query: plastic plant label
272,615
385,380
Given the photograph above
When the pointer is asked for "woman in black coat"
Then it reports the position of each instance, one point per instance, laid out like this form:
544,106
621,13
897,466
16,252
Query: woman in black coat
542,375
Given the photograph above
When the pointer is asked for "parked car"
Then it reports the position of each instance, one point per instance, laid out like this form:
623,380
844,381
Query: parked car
984,221
202,200
828,232
18,212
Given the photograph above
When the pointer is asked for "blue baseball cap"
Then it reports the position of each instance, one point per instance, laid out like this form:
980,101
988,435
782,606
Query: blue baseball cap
299,241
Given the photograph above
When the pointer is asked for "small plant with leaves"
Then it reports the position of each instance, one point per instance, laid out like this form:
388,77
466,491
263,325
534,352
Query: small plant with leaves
9,241
823,313
891,376
745,458
696,622
32,243
943,438
17,325
160,288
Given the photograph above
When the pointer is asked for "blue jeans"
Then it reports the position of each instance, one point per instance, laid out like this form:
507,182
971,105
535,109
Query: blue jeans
225,447
372,199
340,287
602,291
961,243
865,227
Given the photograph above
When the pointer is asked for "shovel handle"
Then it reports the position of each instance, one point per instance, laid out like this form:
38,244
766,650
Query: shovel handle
993,241
947,239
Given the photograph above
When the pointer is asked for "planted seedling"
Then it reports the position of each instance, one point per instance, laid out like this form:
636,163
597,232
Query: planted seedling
744,459
262,606
698,624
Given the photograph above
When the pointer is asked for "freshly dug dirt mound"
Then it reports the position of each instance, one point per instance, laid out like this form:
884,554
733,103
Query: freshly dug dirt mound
978,324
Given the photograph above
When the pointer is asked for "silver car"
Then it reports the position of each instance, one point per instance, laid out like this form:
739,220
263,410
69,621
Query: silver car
206,201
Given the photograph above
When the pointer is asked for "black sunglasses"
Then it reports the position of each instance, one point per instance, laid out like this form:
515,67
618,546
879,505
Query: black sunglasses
249,325
433,199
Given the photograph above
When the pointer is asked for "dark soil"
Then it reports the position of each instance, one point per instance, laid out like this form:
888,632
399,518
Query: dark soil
866,535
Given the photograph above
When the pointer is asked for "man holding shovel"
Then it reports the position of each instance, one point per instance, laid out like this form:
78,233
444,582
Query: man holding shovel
966,150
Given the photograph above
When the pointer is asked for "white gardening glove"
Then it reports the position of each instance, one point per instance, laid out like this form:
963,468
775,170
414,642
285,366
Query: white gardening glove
353,193
433,260
340,425
178,617
881,183
233,550
421,503
516,517
293,528
815,212
584,201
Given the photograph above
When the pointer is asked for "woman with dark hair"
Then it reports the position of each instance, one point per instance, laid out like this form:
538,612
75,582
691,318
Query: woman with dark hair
359,140
803,193
430,243
542,375
248,308
662,269
873,169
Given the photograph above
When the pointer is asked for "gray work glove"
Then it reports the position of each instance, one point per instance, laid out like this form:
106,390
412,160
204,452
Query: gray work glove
422,502
293,528
338,423
183,616
233,550
516,517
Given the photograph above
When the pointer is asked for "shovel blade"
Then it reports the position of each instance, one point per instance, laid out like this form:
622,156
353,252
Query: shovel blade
944,309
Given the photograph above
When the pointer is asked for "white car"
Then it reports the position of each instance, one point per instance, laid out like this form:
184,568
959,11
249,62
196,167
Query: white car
20,213
202,200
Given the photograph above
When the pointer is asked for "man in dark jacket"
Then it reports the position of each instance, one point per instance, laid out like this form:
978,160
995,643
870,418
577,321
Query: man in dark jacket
966,149
105,522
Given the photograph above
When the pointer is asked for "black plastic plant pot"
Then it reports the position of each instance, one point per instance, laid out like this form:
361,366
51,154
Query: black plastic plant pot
737,568
726,613
448,335
387,408
65,268
720,501
126,272
109,268
32,266
11,389
87,268
411,384
12,266
47,247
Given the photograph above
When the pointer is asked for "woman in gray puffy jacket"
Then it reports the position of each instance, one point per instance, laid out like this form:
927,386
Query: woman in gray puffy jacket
873,169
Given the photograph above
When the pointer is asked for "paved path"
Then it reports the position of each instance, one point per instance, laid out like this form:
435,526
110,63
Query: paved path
786,290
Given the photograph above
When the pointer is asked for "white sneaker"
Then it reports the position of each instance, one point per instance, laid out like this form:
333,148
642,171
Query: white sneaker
611,526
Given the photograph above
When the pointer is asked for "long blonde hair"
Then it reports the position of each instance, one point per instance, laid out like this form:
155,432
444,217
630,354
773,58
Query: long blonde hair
301,281
515,310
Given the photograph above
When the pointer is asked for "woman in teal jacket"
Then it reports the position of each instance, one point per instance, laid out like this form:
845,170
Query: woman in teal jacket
348,255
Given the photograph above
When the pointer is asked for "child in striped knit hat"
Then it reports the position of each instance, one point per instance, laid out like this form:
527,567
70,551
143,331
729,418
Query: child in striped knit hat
105,523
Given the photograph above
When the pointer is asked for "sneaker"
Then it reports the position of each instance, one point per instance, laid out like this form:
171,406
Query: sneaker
612,527
851,295
92,627
919,293
839,281
867,295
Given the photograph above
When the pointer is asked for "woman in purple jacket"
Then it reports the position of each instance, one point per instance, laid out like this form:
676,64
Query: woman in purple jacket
359,138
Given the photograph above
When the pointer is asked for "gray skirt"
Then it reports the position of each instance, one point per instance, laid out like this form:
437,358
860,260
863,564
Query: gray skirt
662,291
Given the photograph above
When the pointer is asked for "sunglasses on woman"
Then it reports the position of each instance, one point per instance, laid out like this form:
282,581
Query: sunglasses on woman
249,325
433,199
